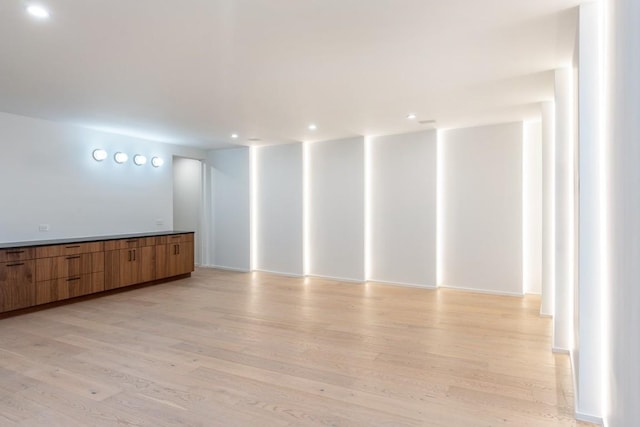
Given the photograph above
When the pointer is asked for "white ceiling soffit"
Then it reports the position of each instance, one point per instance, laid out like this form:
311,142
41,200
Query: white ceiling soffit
195,71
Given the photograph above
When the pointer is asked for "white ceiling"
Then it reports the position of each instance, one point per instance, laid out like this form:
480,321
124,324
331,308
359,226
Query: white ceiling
194,71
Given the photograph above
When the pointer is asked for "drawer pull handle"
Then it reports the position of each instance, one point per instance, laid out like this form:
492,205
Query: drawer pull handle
129,255
134,254
72,247
73,257
73,279
15,265
15,252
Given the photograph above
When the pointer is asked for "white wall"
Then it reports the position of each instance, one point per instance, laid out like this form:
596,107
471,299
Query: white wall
565,155
622,294
229,234
547,303
187,199
48,176
482,208
532,207
336,209
402,180
279,210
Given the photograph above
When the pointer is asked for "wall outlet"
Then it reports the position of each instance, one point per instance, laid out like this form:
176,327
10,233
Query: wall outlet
159,221
44,227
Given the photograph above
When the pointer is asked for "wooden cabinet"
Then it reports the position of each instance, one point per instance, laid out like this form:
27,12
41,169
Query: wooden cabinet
68,271
134,264
17,284
175,256
50,272
69,287
16,254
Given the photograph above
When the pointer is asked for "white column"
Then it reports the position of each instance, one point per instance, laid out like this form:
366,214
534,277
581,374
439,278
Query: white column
590,253
548,208
564,212
532,207
623,171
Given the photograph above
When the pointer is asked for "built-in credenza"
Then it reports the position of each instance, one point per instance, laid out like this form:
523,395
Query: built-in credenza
42,272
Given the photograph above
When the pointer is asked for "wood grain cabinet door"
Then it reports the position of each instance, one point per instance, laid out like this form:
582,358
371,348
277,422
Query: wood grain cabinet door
162,256
187,255
129,267
174,260
180,258
17,285
147,256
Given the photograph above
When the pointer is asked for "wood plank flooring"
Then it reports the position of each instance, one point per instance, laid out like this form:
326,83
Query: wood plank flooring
235,349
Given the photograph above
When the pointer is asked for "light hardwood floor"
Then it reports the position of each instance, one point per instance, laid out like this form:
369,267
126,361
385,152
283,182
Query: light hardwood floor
234,349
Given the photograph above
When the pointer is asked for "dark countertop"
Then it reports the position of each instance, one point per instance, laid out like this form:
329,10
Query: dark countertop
33,243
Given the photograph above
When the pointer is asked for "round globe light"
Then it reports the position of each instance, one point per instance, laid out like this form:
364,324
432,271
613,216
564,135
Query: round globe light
120,157
139,159
99,155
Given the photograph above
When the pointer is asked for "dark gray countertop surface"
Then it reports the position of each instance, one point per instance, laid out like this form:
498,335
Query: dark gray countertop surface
33,243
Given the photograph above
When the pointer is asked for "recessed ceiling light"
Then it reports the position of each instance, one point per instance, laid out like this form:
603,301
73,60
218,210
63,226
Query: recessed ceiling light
38,11
234,135
411,116
313,127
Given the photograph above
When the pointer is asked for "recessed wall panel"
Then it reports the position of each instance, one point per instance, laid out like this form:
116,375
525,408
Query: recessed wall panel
279,212
482,208
336,209
403,208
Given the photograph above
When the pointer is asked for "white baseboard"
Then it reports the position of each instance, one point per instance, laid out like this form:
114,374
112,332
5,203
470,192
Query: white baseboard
483,291
557,350
580,416
402,284
340,279
546,316
222,267
589,418
280,273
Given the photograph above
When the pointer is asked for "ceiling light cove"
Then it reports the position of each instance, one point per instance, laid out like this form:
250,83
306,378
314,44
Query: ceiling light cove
313,127
38,11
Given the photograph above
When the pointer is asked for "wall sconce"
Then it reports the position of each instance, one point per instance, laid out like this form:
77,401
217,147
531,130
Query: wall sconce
156,162
120,157
139,159
99,155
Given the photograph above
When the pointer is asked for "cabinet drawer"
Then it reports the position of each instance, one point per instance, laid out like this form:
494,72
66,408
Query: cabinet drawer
16,254
68,266
69,249
69,287
139,242
175,238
